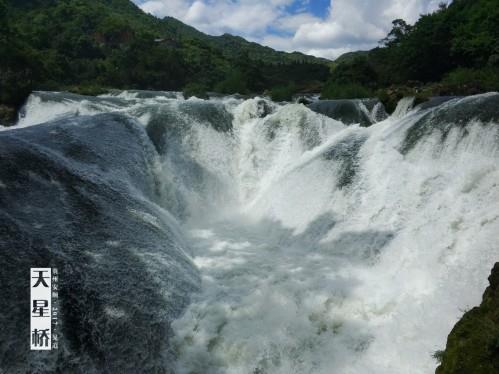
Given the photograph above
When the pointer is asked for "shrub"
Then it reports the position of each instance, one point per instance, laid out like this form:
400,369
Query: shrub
438,355
283,93
485,79
195,89
334,90
88,89
235,82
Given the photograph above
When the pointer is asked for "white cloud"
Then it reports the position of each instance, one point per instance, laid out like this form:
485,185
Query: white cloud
358,24
277,42
290,23
333,53
161,8
245,18
348,25
249,18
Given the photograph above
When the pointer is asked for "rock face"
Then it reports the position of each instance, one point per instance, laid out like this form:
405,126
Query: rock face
473,344
362,111
81,195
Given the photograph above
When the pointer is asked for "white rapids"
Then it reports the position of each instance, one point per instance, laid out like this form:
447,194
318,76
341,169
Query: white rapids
323,248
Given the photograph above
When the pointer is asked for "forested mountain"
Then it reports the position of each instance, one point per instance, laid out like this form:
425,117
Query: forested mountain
232,46
86,45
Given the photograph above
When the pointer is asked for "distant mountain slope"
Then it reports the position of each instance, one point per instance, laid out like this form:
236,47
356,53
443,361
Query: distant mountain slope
231,45
350,56
86,45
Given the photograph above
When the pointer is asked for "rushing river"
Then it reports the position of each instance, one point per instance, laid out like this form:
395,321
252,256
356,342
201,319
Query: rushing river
245,236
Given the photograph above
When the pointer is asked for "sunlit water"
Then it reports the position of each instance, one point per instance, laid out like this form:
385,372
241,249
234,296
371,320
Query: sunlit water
322,248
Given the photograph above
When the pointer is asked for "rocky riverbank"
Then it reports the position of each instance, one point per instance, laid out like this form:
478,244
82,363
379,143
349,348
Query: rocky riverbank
473,344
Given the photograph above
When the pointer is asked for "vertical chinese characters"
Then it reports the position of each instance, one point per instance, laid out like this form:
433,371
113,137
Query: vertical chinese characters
41,308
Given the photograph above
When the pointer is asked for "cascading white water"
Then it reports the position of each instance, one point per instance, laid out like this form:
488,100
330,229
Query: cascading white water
310,277
403,107
326,248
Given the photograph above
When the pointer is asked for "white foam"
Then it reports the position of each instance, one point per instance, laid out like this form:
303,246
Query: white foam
306,273
306,277
403,107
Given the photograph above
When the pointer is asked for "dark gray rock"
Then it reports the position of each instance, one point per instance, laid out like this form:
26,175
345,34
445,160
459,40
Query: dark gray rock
80,195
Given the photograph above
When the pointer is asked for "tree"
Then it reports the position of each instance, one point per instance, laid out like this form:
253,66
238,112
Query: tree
3,17
399,30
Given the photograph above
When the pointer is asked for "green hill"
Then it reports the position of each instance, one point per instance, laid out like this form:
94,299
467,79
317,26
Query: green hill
87,45
350,56
232,46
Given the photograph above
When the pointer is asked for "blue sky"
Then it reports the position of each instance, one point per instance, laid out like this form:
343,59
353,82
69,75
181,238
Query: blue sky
318,8
325,28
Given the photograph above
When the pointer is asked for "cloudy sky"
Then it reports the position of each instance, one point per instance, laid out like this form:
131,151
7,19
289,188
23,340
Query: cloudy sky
325,28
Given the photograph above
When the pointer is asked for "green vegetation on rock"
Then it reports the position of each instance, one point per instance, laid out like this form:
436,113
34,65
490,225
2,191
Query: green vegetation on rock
283,93
473,344
334,90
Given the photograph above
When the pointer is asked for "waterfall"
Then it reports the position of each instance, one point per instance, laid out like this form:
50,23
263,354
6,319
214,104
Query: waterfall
278,238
